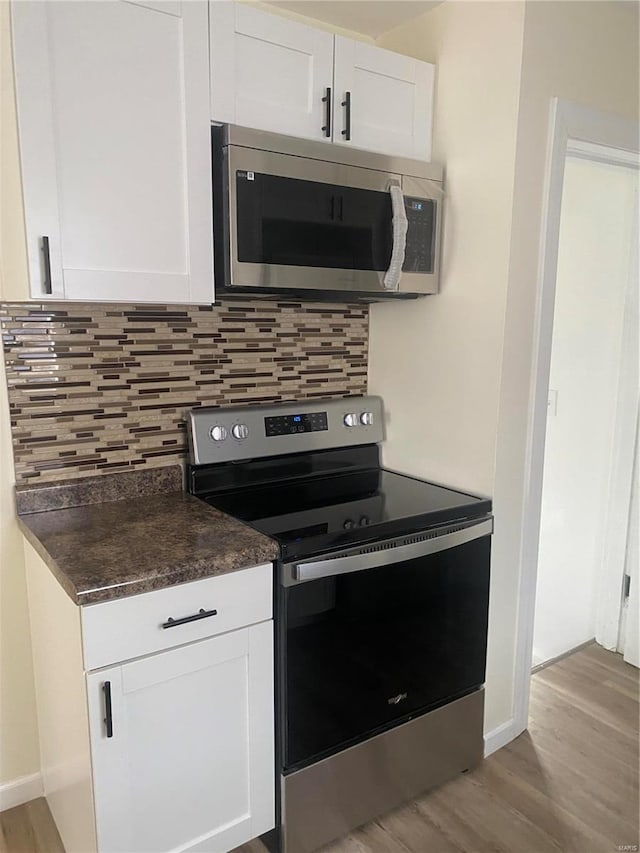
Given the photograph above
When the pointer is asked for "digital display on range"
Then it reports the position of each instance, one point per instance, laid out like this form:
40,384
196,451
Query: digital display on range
291,424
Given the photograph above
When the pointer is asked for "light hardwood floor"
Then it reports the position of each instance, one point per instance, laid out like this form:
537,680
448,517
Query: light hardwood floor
569,784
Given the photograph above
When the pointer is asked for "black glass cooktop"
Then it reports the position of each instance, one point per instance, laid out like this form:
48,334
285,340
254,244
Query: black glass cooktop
312,515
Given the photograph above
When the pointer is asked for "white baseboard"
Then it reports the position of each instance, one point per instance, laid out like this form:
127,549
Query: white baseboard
501,736
20,791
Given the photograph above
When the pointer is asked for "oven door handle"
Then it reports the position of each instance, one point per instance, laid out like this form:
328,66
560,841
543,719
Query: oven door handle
387,555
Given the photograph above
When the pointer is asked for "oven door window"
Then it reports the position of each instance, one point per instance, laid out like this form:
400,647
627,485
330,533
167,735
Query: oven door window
291,222
368,649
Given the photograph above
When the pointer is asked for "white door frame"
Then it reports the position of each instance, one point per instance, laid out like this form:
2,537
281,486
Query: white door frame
577,129
619,486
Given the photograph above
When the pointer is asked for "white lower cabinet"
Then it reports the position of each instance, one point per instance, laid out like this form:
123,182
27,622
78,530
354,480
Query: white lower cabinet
182,746
155,713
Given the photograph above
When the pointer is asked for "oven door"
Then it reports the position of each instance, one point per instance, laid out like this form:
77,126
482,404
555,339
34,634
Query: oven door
295,223
371,638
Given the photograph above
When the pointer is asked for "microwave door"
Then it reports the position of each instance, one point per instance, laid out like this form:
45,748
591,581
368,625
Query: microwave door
302,224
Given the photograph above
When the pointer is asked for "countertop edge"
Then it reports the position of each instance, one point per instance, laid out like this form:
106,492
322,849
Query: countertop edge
49,561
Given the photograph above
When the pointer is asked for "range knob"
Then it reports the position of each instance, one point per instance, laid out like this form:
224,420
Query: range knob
351,420
218,433
366,418
348,524
240,431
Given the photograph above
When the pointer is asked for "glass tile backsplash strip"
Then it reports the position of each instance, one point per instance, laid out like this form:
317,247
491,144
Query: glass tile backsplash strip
98,388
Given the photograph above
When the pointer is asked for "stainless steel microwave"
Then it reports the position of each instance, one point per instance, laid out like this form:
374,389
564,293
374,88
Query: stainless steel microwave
315,220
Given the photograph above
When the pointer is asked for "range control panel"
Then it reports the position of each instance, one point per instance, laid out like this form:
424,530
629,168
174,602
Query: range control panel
251,432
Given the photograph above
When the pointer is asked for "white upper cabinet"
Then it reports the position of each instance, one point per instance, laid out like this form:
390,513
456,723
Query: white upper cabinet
383,100
274,74
268,72
113,115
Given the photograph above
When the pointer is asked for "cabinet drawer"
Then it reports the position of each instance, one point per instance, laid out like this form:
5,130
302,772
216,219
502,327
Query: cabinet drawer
114,631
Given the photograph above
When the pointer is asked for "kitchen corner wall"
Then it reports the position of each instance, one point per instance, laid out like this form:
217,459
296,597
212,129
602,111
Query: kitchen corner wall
101,388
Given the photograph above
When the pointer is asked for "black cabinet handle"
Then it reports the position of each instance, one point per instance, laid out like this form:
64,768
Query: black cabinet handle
46,284
201,614
108,719
347,126
326,127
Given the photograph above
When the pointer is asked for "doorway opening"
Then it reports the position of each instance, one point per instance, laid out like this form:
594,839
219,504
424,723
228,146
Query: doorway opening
592,406
582,131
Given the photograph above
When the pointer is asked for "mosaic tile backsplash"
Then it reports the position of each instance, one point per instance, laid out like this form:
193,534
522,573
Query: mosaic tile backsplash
101,388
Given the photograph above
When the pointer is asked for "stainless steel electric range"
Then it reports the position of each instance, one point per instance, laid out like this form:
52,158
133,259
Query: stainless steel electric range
381,597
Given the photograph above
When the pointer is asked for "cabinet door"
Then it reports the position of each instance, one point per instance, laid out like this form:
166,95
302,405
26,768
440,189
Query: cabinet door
268,72
391,100
190,763
115,148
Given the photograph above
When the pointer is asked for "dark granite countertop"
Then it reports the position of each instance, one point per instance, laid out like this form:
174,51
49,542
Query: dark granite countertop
103,551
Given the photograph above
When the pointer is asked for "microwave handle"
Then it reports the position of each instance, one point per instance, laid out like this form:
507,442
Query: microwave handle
400,224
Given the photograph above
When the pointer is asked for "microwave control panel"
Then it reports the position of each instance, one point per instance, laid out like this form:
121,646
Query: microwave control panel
421,216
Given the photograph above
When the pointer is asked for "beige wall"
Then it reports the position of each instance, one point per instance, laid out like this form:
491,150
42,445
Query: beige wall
19,754
455,369
437,361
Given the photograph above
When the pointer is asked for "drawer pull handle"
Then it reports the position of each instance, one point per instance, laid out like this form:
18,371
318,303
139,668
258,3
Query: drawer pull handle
201,614
108,718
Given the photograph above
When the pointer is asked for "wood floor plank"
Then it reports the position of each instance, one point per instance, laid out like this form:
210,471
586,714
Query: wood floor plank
578,802
29,829
567,785
411,827
611,660
618,710
374,837
597,742
500,826
565,829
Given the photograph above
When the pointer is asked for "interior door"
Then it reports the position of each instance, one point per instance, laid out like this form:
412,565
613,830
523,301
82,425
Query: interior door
115,148
268,72
389,99
182,747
